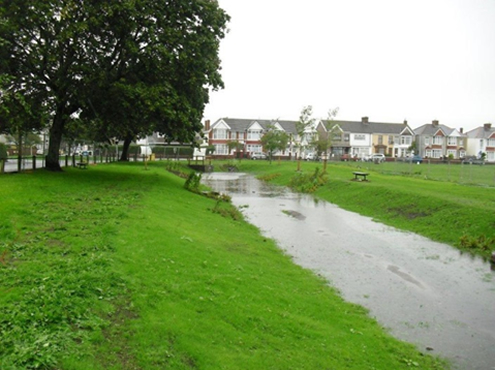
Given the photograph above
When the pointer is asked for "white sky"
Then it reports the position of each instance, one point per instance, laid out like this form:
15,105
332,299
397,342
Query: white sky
389,60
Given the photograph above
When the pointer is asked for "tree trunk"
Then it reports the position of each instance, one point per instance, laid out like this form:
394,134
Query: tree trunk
125,149
56,131
19,152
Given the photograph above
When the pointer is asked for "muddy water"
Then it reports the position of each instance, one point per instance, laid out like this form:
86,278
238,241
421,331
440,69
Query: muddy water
424,292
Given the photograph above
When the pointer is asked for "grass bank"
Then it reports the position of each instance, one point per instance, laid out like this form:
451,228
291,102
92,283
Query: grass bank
117,267
460,215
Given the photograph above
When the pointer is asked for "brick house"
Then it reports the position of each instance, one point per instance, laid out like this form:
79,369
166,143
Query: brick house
434,140
363,138
247,134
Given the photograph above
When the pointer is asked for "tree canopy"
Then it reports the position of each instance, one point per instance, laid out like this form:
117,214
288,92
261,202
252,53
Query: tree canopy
125,68
274,140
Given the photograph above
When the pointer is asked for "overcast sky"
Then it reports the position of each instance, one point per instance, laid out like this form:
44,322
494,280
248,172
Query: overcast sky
390,60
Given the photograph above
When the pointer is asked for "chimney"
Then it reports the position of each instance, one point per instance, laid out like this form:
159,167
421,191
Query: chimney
207,125
461,130
405,122
434,122
364,119
487,126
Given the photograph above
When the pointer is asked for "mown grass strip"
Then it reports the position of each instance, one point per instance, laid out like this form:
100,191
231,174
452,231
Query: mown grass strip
119,267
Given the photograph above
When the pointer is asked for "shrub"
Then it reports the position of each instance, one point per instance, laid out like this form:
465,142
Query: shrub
308,183
193,182
481,243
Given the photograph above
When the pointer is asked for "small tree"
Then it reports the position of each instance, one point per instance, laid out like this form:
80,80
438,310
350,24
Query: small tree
274,140
322,142
235,145
305,121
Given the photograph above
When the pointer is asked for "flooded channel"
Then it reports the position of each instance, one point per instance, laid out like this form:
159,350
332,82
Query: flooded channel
424,292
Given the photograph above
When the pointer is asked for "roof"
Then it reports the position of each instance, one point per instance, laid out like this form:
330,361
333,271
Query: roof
481,133
242,124
369,127
430,129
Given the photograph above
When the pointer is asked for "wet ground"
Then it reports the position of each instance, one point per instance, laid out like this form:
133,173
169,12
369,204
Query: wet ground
424,292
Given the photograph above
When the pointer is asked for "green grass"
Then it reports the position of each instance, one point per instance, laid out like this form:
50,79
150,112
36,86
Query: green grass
460,215
118,267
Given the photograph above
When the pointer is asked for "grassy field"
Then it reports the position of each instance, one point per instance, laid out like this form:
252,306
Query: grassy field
460,215
118,267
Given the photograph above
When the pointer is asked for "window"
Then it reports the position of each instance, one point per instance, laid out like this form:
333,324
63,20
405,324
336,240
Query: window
380,139
253,148
451,140
254,135
359,137
346,137
221,149
427,140
337,137
220,133
405,140
436,153
437,140
453,152
428,153
390,140
491,142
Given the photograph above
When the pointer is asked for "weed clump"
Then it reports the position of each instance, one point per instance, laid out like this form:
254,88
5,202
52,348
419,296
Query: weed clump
268,177
481,243
308,183
193,182
227,210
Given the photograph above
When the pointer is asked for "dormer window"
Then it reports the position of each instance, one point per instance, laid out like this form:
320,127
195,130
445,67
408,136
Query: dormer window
451,140
254,134
220,133
438,140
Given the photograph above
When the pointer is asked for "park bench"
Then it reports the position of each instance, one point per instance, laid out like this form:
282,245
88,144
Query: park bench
360,176
82,165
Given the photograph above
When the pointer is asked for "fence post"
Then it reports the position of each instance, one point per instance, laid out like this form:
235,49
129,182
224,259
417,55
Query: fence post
66,160
2,165
34,162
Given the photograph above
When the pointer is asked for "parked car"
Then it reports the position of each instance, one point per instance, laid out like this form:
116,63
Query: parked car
258,155
348,157
377,158
473,160
311,157
415,159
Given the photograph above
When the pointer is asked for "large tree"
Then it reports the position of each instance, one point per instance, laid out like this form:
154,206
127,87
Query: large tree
128,66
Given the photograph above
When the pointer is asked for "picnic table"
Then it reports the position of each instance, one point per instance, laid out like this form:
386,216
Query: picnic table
360,176
82,165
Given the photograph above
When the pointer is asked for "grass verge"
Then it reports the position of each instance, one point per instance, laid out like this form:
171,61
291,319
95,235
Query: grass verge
121,268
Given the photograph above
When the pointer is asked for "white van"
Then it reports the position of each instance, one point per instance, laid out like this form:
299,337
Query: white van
377,158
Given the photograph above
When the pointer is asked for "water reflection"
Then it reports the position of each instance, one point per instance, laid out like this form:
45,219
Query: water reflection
427,293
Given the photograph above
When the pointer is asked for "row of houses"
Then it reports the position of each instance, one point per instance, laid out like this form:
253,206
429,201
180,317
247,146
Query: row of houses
357,139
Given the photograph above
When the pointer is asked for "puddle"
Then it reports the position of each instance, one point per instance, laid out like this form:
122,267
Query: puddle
424,292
